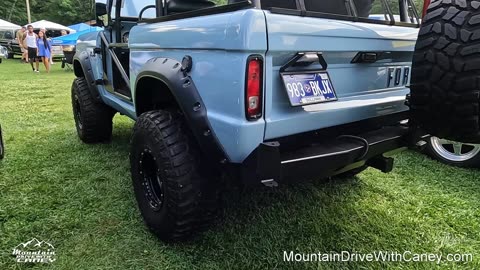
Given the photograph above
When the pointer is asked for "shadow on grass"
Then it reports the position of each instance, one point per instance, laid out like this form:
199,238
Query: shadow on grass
366,213
352,214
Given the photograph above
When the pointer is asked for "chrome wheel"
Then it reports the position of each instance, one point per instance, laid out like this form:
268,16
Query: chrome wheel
454,151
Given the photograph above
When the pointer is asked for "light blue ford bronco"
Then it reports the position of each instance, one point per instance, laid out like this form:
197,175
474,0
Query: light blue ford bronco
263,91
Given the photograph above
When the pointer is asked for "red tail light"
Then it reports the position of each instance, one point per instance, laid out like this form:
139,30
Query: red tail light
253,91
426,3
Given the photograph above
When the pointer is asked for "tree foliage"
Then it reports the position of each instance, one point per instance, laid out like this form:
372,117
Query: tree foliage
65,12
378,9
73,11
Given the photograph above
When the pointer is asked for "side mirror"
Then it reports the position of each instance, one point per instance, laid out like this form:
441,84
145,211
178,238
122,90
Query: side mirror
101,14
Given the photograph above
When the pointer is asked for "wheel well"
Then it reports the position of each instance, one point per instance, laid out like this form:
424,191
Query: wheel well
77,68
153,94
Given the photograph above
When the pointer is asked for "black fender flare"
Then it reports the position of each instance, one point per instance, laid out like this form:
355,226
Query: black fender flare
181,86
84,69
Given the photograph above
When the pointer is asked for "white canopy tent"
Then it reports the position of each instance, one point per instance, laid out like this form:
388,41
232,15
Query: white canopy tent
50,26
8,25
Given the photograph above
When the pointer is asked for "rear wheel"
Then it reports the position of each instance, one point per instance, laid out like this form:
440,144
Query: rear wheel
174,199
445,85
454,153
93,119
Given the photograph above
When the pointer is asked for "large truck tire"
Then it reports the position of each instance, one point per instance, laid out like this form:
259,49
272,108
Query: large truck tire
175,199
93,120
445,83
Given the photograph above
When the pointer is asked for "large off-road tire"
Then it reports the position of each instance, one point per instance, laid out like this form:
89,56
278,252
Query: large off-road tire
93,119
173,197
453,153
445,84
2,146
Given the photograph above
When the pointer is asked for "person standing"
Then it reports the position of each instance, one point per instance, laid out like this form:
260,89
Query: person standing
32,48
20,34
44,50
25,47
44,30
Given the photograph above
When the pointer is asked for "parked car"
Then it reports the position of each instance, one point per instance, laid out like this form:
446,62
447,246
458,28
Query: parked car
8,40
3,53
263,91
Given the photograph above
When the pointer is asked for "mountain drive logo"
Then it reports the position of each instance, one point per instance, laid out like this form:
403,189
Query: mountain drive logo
34,251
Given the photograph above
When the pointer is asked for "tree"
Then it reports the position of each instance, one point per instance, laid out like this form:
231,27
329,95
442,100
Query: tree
60,11
394,6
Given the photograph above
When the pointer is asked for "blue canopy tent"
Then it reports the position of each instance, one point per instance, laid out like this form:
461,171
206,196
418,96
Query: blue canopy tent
72,38
79,27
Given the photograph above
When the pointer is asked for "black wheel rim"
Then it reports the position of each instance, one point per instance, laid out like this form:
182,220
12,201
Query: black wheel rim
78,112
152,181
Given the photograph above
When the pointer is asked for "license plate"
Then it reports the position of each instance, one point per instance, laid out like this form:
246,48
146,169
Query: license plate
303,89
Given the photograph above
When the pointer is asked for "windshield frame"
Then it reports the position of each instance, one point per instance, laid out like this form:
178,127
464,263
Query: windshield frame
408,11
405,7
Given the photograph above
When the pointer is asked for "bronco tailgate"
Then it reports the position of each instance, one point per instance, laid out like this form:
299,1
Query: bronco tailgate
364,89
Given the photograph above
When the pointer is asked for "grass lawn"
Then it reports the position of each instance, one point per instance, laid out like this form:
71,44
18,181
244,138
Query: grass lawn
79,198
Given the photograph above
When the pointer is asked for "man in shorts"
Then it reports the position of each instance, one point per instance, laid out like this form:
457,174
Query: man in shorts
20,34
31,39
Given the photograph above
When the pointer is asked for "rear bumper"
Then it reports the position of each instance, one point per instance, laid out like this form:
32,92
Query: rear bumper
270,163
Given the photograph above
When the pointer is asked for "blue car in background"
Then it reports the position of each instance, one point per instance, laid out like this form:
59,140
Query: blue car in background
263,92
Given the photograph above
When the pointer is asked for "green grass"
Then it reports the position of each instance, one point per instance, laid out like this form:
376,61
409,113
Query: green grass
79,198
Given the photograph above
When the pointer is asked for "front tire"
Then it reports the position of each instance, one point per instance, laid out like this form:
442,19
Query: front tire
454,153
170,192
93,119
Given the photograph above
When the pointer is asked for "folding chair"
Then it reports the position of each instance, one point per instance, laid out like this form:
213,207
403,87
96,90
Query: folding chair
67,61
